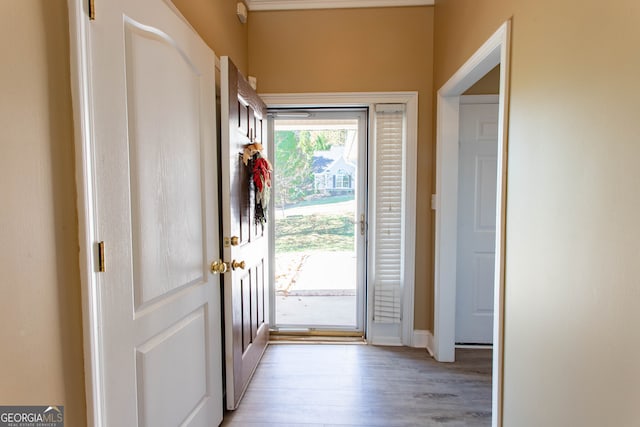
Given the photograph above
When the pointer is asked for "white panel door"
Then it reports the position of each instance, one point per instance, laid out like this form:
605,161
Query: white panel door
153,100
477,184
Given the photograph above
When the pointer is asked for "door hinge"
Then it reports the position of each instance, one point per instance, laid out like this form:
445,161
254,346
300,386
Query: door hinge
363,225
92,10
101,266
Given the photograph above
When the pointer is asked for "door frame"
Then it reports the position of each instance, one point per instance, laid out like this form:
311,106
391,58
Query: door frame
360,114
80,52
369,99
495,51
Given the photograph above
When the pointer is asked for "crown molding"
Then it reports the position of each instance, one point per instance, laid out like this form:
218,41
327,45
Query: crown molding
259,5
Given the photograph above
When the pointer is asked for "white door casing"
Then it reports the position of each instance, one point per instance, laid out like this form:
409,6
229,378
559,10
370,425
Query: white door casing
338,274
476,220
146,109
377,333
246,290
496,50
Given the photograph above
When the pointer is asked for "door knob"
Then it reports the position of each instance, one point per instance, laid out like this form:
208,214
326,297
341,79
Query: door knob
235,264
218,267
231,241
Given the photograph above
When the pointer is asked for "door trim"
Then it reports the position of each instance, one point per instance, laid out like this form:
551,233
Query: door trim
80,52
479,99
368,99
496,50
359,114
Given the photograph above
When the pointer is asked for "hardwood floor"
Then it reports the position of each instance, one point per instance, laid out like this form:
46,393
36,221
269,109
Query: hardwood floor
309,385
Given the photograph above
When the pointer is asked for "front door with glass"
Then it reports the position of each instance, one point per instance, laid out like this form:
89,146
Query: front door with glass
319,215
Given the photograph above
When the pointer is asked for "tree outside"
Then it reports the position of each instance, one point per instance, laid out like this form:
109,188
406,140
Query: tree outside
295,178
293,167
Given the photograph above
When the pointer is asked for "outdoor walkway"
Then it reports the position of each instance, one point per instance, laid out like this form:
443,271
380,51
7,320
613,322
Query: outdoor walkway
316,288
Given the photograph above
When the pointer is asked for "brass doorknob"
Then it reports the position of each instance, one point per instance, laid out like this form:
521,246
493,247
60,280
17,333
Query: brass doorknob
218,267
235,264
231,241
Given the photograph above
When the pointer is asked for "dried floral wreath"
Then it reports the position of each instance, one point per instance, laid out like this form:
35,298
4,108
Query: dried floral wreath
261,176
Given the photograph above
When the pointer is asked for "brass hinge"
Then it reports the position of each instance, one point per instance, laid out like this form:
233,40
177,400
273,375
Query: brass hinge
92,10
101,257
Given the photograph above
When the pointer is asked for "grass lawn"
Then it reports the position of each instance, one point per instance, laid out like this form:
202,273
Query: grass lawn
315,232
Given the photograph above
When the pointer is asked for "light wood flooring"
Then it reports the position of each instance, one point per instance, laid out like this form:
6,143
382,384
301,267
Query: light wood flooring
313,385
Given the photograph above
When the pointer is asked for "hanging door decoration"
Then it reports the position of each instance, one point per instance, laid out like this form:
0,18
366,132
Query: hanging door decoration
261,170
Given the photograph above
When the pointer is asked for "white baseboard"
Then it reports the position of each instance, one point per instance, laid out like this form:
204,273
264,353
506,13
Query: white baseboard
390,341
420,338
430,344
423,339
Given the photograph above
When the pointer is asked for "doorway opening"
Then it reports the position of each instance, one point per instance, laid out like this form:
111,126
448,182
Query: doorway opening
319,216
495,51
476,225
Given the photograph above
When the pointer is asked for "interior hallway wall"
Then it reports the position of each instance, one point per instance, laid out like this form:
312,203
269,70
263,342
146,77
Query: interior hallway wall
219,27
573,241
487,85
358,50
41,361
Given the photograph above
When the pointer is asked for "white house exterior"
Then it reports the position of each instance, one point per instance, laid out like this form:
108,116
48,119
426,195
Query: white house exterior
337,178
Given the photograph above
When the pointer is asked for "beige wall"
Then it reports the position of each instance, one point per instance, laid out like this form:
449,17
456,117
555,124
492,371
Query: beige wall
218,25
488,85
41,358
572,235
572,251
357,50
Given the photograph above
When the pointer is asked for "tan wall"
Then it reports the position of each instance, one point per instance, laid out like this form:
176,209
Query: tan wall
388,49
572,238
573,257
41,359
218,25
488,85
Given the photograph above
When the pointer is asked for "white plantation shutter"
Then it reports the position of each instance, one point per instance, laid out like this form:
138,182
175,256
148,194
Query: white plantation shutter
388,240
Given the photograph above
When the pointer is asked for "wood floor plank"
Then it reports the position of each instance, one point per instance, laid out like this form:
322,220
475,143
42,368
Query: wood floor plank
303,385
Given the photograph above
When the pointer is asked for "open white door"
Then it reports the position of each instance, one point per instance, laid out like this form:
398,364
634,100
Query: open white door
246,284
477,184
153,156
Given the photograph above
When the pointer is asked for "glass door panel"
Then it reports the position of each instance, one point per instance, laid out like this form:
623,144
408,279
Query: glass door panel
319,176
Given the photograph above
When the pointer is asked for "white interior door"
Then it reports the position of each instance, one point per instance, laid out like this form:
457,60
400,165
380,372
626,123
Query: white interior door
477,183
246,289
154,140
